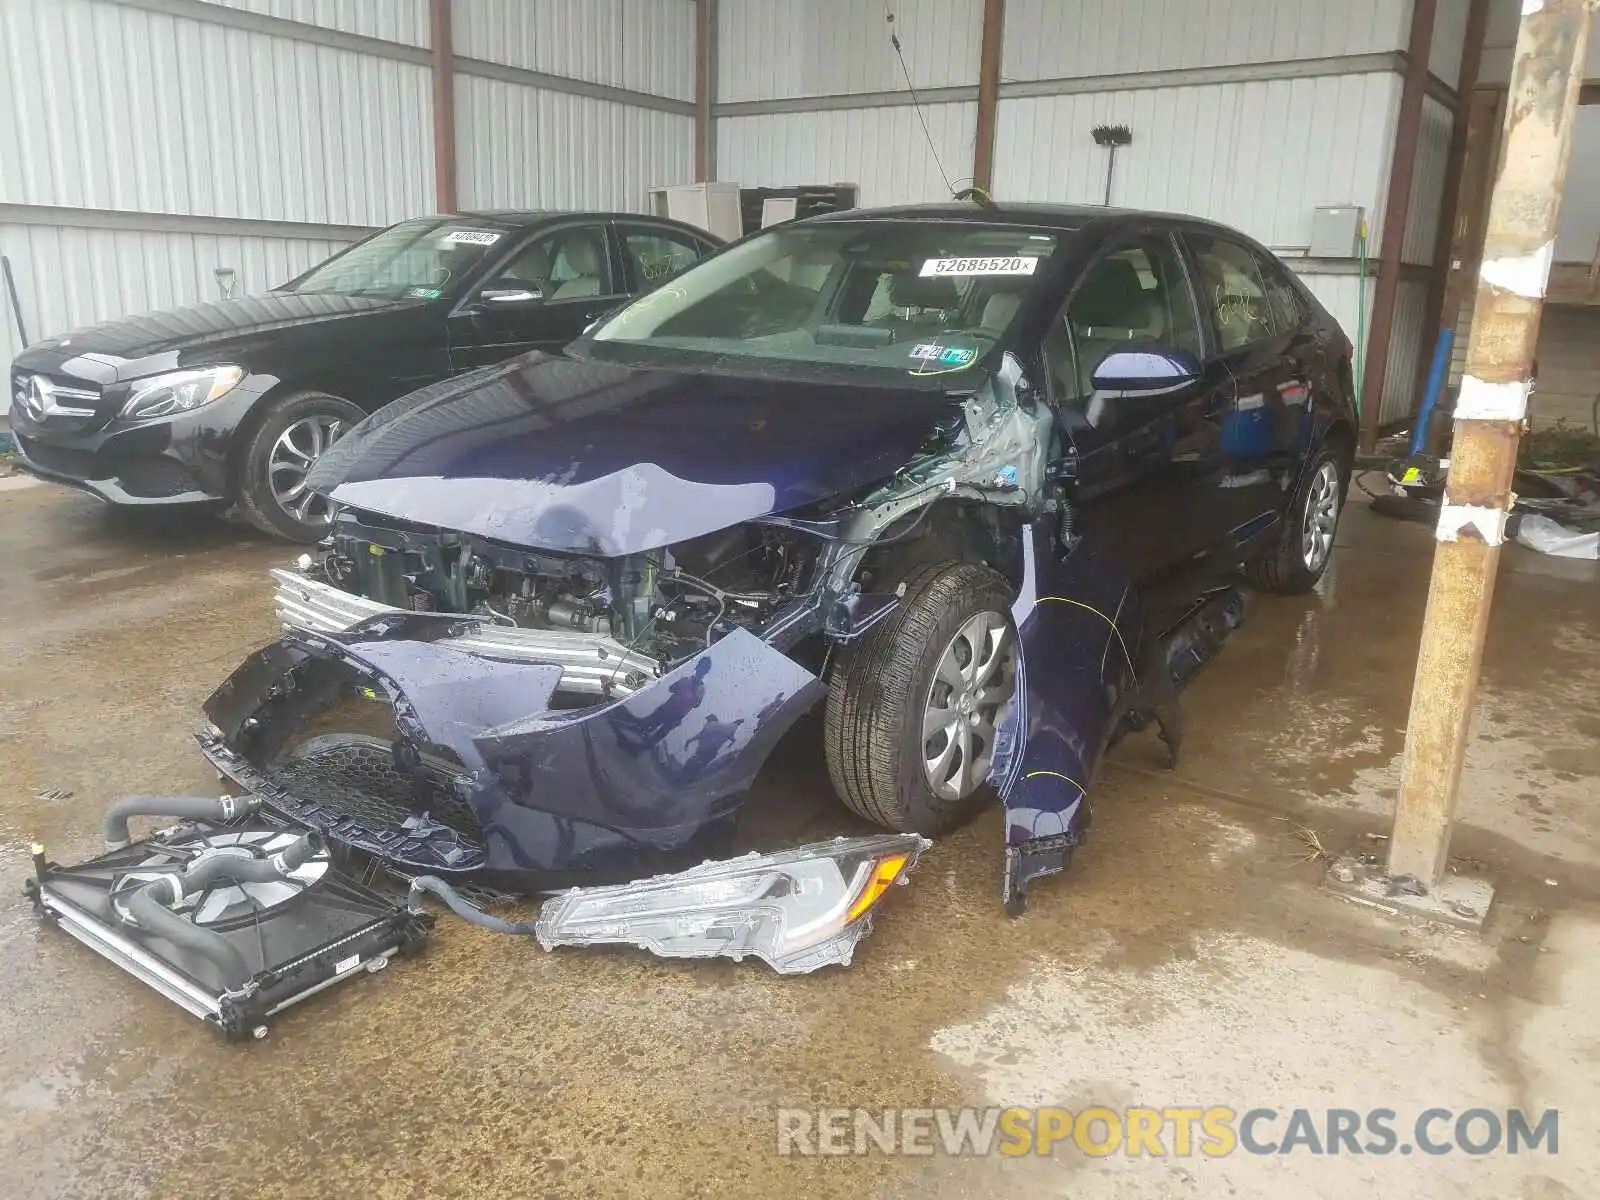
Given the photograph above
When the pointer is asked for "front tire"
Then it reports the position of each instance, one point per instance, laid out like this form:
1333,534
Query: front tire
913,705
285,444
1304,546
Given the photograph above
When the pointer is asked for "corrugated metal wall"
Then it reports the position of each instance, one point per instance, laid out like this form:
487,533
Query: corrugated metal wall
527,147
522,145
779,48
150,113
390,20
1410,343
776,50
248,109
1052,39
1427,185
884,150
642,45
1259,156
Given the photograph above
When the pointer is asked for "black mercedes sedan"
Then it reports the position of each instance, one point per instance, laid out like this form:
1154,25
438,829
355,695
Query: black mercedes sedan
231,403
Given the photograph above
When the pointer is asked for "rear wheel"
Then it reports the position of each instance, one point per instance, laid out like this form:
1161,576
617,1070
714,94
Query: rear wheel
291,436
1304,545
914,705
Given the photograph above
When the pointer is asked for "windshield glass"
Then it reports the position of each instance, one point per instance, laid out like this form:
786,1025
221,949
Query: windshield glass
923,297
426,259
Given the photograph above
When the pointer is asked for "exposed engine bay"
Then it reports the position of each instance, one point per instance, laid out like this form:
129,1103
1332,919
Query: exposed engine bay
782,578
665,603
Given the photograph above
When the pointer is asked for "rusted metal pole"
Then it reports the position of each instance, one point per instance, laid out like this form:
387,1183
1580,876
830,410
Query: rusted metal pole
1396,206
994,20
444,105
1545,77
705,152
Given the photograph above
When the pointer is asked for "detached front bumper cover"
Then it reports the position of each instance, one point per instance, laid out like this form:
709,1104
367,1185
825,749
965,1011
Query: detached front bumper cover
796,910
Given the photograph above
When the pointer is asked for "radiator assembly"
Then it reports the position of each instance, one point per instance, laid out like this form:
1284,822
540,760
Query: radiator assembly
232,917
236,912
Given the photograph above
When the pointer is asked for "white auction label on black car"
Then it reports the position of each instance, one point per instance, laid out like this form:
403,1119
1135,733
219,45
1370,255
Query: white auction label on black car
1015,265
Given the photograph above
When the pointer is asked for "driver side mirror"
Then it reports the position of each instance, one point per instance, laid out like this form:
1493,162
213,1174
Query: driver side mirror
1146,370
509,297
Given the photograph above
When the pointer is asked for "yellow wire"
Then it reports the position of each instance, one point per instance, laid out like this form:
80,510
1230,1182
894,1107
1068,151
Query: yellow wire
1057,774
1132,670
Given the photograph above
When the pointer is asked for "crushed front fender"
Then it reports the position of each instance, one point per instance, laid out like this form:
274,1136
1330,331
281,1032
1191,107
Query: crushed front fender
1085,663
482,777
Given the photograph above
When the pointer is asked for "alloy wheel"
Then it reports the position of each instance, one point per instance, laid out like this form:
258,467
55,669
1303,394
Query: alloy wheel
1321,519
969,694
293,455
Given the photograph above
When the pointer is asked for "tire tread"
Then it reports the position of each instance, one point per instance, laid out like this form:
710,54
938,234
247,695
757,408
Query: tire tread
874,689
256,506
1280,569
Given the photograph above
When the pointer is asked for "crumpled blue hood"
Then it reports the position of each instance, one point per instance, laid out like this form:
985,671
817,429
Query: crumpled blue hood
608,460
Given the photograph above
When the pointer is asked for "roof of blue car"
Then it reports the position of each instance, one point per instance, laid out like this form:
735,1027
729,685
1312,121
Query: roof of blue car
1067,216
1044,216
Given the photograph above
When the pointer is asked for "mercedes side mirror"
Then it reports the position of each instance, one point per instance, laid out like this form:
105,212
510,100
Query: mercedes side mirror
517,297
1147,370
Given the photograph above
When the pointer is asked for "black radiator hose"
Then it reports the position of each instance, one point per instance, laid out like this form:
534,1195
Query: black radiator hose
205,808
152,905
236,868
148,906
462,907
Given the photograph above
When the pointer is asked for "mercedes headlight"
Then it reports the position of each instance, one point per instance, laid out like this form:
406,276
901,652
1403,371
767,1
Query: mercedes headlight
181,391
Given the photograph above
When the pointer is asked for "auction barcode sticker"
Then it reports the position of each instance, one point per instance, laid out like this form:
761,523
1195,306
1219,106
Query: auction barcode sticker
472,237
1016,265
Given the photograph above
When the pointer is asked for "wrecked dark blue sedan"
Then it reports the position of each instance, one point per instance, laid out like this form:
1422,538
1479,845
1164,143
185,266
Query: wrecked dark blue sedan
981,481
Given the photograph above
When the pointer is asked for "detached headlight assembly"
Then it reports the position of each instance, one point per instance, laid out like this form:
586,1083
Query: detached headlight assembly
181,391
796,910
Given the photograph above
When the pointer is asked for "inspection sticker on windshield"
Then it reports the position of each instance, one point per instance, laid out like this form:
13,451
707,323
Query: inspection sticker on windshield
470,237
932,354
1020,264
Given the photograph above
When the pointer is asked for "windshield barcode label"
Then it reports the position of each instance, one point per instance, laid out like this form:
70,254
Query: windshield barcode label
472,237
1018,265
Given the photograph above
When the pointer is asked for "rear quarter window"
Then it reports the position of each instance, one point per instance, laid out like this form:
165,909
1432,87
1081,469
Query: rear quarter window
1234,291
1286,303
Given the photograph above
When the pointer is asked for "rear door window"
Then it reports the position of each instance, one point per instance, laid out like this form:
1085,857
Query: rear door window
1232,291
655,253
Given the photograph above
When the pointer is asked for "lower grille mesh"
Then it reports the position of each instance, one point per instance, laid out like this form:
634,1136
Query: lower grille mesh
357,776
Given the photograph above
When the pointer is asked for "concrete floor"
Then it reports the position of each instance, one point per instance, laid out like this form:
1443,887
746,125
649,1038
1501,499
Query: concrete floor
1189,957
